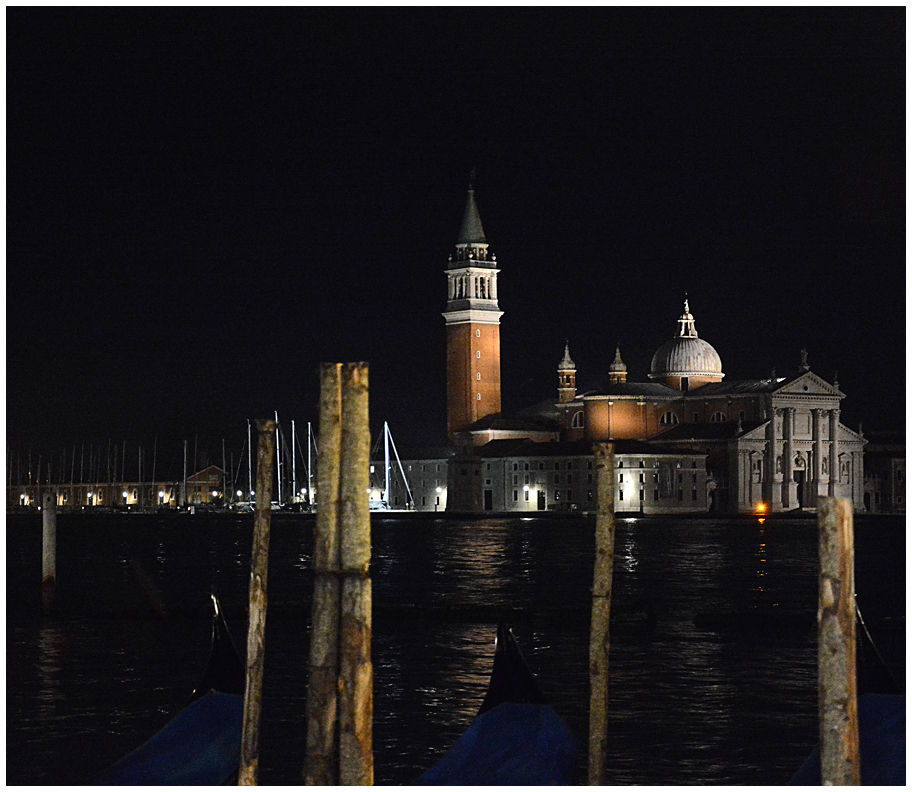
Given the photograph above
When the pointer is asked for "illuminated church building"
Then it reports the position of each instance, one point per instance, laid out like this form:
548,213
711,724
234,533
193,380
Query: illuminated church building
685,441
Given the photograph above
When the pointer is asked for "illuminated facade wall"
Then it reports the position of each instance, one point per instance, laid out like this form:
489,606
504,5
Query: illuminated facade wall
473,373
645,483
77,497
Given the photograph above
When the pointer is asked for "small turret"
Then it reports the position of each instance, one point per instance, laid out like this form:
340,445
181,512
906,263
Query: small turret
566,377
617,371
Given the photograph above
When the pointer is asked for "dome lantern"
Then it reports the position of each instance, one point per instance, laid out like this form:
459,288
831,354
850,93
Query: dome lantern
686,361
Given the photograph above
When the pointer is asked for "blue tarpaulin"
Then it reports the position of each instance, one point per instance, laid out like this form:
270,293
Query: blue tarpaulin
199,746
511,744
882,744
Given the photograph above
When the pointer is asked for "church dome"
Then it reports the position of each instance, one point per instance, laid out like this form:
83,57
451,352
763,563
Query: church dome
686,355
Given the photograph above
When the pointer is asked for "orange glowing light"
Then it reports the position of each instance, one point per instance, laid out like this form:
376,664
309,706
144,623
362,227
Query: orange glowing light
761,508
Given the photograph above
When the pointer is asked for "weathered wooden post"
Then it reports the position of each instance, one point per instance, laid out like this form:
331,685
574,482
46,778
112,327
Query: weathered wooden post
599,636
323,679
256,631
356,672
48,550
341,670
837,687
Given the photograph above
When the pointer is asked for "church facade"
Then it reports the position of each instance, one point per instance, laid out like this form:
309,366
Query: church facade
686,440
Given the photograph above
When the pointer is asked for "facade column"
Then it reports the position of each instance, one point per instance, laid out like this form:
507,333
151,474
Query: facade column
817,473
788,453
769,473
747,468
834,454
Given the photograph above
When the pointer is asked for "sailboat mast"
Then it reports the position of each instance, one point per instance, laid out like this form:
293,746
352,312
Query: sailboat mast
294,474
278,456
386,462
249,466
309,476
184,488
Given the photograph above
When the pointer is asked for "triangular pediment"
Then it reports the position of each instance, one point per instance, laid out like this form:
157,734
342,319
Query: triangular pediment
808,384
757,433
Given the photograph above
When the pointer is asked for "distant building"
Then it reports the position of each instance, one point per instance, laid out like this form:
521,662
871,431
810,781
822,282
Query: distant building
203,487
774,444
102,495
885,473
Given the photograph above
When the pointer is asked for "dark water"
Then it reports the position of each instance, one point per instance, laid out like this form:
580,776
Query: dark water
695,698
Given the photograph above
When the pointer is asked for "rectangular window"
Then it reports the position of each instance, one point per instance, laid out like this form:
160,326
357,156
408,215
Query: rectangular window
589,495
642,494
655,494
515,496
680,494
620,478
620,494
527,494
694,495
642,477
557,495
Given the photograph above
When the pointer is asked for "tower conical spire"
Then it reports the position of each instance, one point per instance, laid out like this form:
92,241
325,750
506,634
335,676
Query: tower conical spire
471,231
617,371
566,377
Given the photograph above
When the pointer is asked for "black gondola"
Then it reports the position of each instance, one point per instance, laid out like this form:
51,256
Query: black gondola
201,745
516,738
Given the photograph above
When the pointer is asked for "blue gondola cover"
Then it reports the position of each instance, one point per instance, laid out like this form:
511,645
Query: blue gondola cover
882,744
199,746
512,744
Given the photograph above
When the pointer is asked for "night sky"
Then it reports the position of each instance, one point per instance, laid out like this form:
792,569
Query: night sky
204,204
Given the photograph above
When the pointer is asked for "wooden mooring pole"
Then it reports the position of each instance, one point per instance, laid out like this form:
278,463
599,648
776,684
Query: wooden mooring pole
599,636
341,670
323,677
256,630
356,671
837,687
48,550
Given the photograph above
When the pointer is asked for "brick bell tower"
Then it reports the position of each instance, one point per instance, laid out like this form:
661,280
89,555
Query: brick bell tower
472,325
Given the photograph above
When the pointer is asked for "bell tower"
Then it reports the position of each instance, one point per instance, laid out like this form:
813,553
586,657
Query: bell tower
472,325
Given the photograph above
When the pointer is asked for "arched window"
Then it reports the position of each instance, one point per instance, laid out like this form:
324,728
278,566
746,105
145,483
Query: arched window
669,419
717,417
579,420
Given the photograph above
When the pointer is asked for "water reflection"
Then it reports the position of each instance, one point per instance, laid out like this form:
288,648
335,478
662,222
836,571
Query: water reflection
52,644
687,705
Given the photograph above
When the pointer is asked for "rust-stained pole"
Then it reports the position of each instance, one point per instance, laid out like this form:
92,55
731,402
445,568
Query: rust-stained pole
256,631
48,550
837,688
599,636
356,675
322,689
